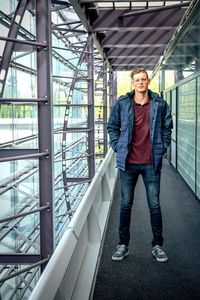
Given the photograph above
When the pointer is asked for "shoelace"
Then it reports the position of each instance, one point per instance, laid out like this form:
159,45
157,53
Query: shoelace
121,248
160,251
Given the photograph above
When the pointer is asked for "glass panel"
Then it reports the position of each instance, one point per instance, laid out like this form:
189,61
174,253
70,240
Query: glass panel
173,108
18,125
19,181
186,131
198,141
157,3
184,59
19,194
15,287
173,153
122,4
173,143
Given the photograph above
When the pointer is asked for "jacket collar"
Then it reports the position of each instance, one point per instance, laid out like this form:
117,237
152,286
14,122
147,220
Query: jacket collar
152,94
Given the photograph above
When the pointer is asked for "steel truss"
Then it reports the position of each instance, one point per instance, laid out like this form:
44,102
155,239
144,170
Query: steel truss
52,214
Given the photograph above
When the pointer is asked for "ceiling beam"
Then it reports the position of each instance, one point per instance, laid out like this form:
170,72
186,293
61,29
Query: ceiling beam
81,15
146,45
131,64
156,9
111,20
133,56
132,28
133,45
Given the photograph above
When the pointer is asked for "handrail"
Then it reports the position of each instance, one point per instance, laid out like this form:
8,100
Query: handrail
72,268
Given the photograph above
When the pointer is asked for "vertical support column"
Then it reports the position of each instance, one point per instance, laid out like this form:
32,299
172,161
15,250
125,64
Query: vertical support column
162,81
112,89
45,128
91,123
105,107
196,136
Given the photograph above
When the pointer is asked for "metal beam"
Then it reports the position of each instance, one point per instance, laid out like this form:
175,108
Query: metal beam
21,100
34,265
18,258
60,2
24,42
112,18
70,30
7,52
23,214
91,123
111,101
6,154
81,15
45,128
112,89
66,23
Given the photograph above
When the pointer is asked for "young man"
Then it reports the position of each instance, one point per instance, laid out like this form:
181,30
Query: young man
140,127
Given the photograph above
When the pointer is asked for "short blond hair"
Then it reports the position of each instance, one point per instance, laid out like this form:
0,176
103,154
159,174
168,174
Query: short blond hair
137,71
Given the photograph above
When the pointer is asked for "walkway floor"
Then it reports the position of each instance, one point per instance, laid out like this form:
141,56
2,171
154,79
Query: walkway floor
139,276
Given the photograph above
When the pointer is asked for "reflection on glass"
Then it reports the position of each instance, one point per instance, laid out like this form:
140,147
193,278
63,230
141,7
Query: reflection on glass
198,141
186,131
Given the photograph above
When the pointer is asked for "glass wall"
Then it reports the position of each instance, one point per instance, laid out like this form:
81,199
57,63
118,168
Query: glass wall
198,141
186,131
182,56
174,131
20,130
185,145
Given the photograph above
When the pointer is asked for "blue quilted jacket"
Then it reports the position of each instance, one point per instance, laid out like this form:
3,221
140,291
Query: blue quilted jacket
121,128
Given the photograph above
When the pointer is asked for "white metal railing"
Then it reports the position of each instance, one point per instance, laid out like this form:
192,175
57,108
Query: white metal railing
72,268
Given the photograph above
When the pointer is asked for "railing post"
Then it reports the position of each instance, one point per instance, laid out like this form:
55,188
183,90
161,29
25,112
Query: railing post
105,108
91,122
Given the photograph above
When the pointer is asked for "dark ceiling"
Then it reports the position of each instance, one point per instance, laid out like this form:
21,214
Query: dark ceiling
133,33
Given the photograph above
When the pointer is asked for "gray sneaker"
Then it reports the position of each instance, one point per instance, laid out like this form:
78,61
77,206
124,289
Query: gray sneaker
121,252
159,254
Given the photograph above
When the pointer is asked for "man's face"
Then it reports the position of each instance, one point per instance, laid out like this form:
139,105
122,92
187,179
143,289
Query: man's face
140,82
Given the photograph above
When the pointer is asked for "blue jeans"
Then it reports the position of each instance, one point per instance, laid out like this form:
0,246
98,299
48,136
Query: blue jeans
128,180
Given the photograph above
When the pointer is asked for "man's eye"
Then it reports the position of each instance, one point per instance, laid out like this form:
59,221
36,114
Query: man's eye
138,80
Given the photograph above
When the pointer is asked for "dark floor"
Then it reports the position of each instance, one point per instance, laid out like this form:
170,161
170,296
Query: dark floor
138,276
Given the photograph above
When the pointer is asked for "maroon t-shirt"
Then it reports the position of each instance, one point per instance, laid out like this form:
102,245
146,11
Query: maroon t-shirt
141,146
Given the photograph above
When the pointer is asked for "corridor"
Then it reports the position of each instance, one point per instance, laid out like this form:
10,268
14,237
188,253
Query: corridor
139,276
